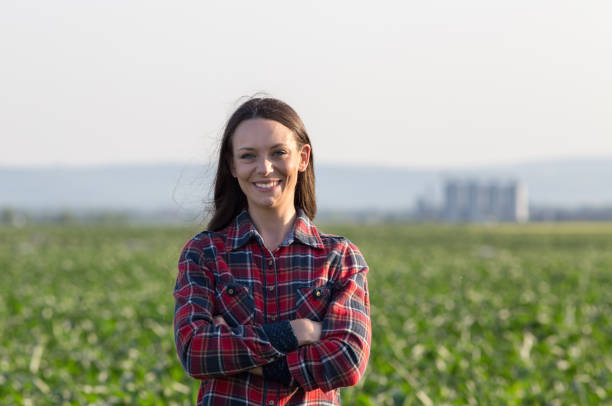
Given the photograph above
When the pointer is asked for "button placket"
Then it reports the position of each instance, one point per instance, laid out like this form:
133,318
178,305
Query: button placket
271,281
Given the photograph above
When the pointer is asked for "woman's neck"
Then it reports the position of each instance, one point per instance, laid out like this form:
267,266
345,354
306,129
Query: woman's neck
273,225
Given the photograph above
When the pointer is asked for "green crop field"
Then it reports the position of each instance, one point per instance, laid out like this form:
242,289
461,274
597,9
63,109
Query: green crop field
461,315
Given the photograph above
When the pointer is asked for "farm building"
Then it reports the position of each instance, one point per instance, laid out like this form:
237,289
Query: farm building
475,201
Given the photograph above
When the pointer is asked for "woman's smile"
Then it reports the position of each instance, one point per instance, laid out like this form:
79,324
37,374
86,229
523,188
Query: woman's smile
267,185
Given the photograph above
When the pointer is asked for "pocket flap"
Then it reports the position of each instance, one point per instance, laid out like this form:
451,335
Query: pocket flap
236,305
312,302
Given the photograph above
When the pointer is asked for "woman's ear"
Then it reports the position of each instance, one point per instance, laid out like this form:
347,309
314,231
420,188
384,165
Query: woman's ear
304,157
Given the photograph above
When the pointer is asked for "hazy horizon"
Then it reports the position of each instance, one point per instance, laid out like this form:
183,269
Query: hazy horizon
562,183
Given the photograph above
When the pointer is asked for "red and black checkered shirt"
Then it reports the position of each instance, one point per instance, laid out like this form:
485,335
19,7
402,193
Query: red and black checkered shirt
311,275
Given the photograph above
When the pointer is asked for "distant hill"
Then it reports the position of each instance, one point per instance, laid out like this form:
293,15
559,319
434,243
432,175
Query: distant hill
562,183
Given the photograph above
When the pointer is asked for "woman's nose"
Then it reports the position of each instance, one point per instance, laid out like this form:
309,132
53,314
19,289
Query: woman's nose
265,167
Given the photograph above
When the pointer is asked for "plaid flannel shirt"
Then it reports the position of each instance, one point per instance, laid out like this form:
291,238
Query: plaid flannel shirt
311,275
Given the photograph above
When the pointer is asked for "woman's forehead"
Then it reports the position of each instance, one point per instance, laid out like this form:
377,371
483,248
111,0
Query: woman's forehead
261,133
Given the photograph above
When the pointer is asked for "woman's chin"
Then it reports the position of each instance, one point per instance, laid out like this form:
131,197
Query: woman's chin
267,204
264,204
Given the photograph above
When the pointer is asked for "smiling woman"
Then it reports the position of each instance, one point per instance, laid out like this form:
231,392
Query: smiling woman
266,161
270,117
268,309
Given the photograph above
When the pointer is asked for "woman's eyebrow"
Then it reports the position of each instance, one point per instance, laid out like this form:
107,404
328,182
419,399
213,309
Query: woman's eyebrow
254,149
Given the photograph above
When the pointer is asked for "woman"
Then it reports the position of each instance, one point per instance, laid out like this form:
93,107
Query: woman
269,311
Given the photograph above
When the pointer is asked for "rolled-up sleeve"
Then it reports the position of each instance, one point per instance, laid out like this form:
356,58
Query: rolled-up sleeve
206,350
340,357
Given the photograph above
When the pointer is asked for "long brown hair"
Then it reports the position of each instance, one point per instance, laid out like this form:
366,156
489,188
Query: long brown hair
229,199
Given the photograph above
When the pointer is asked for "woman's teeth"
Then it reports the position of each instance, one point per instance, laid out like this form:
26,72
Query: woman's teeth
267,185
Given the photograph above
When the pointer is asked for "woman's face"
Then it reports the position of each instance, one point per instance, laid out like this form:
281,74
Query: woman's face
266,161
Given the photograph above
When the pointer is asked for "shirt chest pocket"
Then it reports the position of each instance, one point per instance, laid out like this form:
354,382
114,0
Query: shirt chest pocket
235,304
311,302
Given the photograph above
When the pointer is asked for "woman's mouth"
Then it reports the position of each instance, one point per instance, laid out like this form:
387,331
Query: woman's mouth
267,185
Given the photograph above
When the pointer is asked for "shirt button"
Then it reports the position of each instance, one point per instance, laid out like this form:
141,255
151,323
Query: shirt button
270,262
270,288
271,402
273,317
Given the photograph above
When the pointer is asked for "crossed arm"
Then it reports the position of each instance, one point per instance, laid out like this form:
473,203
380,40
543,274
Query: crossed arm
329,354
305,331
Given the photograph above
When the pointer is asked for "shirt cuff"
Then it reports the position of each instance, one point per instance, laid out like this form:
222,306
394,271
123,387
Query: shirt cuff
278,371
281,336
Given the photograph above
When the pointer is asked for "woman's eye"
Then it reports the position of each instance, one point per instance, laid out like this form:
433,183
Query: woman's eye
247,156
280,152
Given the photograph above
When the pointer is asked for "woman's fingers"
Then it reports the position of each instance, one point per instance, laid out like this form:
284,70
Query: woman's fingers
316,330
306,331
219,321
256,371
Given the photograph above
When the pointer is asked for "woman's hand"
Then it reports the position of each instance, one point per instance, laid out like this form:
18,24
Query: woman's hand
256,371
306,331
219,321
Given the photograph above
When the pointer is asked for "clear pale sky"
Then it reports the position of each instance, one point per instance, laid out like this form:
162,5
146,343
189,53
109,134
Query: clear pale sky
427,83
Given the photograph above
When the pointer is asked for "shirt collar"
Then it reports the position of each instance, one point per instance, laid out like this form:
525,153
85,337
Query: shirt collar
305,231
243,229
